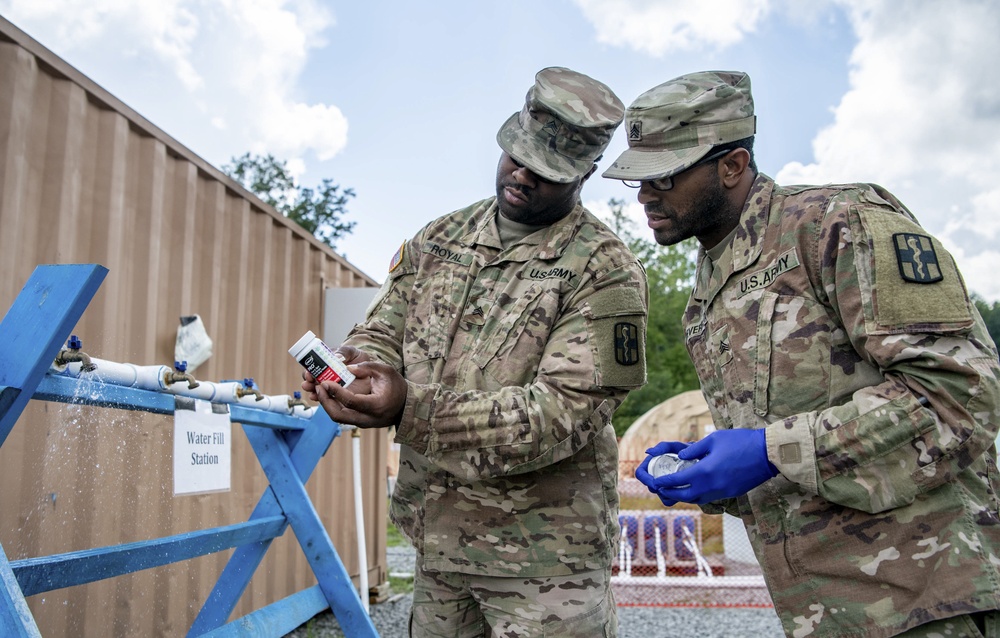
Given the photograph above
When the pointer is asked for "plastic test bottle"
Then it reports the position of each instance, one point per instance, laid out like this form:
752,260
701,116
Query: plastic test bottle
318,359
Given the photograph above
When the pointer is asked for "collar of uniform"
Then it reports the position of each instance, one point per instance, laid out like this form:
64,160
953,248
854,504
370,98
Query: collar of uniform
702,277
484,232
749,239
745,247
549,243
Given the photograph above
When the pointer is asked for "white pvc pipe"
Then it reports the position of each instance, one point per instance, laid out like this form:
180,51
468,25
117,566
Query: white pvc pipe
155,378
251,400
359,518
124,374
206,390
279,403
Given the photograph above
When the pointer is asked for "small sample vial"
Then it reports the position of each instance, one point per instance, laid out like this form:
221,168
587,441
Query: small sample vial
667,464
318,359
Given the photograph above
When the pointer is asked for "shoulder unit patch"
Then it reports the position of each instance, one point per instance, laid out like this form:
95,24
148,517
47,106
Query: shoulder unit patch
626,343
918,263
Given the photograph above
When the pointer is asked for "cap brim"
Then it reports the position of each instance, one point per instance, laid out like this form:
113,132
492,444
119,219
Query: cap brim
646,164
526,150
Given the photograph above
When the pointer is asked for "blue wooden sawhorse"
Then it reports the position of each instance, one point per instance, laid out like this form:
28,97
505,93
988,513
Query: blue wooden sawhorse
288,448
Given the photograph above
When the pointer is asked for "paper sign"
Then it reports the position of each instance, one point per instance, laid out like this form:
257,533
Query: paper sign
203,448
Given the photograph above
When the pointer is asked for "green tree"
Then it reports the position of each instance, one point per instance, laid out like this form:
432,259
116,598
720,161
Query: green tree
321,211
991,316
670,272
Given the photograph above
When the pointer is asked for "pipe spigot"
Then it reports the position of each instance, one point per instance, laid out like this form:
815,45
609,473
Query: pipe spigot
179,374
296,400
72,353
248,389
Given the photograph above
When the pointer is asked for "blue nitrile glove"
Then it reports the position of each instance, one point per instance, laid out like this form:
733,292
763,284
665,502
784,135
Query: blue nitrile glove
730,463
642,472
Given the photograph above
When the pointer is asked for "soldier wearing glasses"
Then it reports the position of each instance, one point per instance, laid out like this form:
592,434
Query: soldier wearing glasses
853,384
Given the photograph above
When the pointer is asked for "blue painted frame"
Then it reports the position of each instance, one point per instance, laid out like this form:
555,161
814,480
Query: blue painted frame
287,447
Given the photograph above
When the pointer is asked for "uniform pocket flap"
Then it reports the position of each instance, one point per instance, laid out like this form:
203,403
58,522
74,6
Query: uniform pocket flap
614,302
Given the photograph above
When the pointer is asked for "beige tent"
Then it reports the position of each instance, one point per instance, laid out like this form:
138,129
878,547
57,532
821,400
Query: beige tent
684,417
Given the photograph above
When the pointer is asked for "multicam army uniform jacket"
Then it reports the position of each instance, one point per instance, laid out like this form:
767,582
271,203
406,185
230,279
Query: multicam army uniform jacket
515,361
834,320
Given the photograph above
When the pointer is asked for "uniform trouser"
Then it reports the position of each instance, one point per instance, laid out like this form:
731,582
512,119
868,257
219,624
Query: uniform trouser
455,605
980,625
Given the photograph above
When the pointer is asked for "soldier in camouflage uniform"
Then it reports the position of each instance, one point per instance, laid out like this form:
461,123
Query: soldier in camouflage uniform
506,335
853,384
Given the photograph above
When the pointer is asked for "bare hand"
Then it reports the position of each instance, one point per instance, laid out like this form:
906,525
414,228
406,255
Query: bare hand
351,356
380,406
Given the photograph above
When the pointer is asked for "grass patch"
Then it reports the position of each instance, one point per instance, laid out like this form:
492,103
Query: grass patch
393,537
400,585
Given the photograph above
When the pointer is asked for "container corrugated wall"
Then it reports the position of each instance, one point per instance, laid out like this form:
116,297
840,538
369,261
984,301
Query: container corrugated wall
84,179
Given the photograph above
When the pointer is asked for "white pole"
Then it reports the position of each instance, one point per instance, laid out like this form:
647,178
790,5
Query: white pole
621,552
628,558
661,564
359,517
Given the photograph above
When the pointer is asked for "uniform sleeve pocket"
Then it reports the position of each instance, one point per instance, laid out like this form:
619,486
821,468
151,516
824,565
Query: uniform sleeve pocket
915,284
616,319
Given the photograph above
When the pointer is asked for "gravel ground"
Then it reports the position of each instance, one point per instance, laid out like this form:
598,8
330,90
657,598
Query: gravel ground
391,617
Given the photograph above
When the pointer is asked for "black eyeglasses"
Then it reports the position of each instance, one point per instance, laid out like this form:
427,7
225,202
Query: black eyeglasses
666,183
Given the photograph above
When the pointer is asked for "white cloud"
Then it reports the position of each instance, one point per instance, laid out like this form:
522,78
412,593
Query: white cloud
288,128
921,96
656,27
166,28
266,44
970,235
239,60
986,212
922,118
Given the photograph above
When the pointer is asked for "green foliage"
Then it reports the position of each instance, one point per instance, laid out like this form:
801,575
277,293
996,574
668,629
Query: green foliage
401,585
991,316
393,537
320,211
670,272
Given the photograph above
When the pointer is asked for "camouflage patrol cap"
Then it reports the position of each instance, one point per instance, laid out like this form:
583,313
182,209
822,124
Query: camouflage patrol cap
566,123
675,124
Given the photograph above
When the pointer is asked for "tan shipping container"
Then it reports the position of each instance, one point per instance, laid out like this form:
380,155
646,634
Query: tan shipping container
85,179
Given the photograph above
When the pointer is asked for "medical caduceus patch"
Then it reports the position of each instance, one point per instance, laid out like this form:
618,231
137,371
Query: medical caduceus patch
917,260
626,343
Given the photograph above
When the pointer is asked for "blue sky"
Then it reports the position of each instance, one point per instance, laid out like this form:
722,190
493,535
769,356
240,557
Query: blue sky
401,101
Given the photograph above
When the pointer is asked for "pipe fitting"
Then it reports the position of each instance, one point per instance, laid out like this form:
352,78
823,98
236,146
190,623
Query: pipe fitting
295,400
179,374
248,389
72,354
